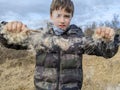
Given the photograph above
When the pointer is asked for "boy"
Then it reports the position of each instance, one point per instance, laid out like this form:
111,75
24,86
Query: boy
59,50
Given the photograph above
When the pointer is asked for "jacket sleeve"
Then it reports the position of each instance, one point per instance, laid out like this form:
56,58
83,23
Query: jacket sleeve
103,48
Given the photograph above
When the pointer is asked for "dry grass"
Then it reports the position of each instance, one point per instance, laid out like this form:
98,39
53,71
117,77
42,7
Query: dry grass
101,73
17,69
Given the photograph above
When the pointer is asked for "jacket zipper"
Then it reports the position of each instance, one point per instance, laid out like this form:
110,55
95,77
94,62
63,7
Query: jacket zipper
58,70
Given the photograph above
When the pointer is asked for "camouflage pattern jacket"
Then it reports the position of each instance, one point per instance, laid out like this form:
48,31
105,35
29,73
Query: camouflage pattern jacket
59,58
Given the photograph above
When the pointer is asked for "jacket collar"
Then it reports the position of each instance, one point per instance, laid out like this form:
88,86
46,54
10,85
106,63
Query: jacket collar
58,31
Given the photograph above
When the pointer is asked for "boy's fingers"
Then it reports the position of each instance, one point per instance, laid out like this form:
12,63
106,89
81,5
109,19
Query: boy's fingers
9,27
19,27
107,32
98,31
112,33
14,27
102,32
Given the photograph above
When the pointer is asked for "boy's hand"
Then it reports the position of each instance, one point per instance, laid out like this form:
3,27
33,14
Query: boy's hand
15,32
15,27
104,33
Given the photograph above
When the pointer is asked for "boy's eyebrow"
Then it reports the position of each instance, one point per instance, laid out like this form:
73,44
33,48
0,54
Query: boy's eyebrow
67,15
58,13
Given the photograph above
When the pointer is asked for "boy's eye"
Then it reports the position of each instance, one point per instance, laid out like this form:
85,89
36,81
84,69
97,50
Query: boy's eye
58,15
67,16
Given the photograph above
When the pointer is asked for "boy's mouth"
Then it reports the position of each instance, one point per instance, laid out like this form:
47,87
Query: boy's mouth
62,26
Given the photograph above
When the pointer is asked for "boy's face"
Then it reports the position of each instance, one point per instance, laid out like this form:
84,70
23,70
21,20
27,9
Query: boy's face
61,18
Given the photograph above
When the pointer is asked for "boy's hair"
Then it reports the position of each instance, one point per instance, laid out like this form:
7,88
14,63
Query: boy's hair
62,4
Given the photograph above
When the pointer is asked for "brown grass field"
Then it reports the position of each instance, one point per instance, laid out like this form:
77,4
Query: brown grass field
17,71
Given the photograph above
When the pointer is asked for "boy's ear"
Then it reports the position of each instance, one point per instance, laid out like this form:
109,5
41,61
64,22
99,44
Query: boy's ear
50,16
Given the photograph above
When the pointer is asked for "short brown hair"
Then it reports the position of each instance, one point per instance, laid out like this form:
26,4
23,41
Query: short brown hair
63,4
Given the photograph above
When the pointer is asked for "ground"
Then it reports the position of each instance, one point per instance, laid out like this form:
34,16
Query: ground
17,71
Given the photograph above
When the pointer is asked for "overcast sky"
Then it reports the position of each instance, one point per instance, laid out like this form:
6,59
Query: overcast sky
32,12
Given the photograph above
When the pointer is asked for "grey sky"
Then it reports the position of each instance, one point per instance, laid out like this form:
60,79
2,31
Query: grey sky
24,6
32,10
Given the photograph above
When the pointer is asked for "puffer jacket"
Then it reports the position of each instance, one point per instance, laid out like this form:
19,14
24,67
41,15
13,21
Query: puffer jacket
58,68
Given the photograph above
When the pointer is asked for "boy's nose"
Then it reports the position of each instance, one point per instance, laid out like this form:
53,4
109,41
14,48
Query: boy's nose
62,19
